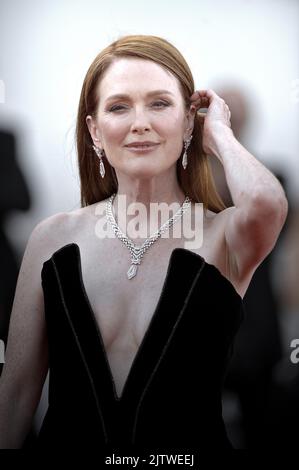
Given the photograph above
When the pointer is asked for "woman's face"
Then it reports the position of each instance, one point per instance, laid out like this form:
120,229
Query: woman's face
143,114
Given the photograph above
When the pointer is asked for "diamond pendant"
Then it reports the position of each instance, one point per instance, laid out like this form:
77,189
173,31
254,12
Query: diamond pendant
102,169
132,271
184,161
137,252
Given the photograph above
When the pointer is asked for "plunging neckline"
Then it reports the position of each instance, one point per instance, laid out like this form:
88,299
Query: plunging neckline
137,355
184,292
194,297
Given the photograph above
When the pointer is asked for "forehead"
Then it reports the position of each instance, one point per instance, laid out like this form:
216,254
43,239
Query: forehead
129,75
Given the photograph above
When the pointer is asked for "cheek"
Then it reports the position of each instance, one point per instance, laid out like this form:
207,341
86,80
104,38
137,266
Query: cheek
113,131
169,123
173,125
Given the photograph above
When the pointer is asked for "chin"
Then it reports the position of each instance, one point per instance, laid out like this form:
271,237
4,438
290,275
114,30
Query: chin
139,174
141,167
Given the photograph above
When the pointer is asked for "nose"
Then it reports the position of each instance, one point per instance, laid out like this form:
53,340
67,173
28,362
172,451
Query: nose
141,121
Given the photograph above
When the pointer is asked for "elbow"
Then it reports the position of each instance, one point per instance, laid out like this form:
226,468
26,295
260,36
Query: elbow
270,208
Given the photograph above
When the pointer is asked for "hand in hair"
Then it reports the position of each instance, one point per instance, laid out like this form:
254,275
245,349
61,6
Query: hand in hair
215,119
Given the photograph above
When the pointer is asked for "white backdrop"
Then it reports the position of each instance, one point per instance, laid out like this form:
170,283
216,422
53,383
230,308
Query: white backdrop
47,46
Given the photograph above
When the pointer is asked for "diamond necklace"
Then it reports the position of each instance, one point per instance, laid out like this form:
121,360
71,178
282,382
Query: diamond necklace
137,251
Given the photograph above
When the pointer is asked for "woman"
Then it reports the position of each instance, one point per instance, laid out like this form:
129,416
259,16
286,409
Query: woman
137,350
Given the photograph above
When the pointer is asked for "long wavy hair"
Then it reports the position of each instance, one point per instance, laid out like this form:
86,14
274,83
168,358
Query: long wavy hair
196,181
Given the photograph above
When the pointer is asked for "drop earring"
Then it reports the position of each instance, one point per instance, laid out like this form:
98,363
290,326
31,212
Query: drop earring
185,157
100,153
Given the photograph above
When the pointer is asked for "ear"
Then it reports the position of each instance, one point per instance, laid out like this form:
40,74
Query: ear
93,130
190,116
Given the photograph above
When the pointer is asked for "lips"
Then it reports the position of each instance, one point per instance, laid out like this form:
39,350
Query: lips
142,145
144,148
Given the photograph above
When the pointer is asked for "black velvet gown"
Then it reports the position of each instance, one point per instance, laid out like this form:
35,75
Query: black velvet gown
172,395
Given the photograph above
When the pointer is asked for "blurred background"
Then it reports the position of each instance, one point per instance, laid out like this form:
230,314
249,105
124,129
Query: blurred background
247,51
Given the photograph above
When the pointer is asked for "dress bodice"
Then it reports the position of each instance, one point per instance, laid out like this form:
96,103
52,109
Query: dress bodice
172,395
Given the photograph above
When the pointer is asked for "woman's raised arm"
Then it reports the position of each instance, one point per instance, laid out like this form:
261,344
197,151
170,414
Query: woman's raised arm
260,205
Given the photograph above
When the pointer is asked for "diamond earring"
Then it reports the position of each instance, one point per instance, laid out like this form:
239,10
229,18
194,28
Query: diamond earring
185,159
100,153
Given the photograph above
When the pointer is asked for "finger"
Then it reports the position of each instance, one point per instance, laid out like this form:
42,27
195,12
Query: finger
194,95
208,94
196,104
203,93
197,95
195,99
202,98
211,94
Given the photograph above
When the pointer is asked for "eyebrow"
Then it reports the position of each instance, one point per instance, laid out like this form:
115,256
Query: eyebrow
151,93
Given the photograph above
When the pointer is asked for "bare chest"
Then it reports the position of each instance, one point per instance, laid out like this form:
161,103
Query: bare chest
123,308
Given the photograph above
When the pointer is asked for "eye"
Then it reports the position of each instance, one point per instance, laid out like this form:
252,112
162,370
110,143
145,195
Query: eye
163,103
116,108
158,104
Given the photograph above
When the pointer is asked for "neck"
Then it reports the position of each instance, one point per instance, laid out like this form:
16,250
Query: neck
146,191
140,203
146,198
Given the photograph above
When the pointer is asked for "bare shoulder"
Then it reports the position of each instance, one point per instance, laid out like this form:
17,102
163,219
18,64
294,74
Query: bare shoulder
61,228
50,234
